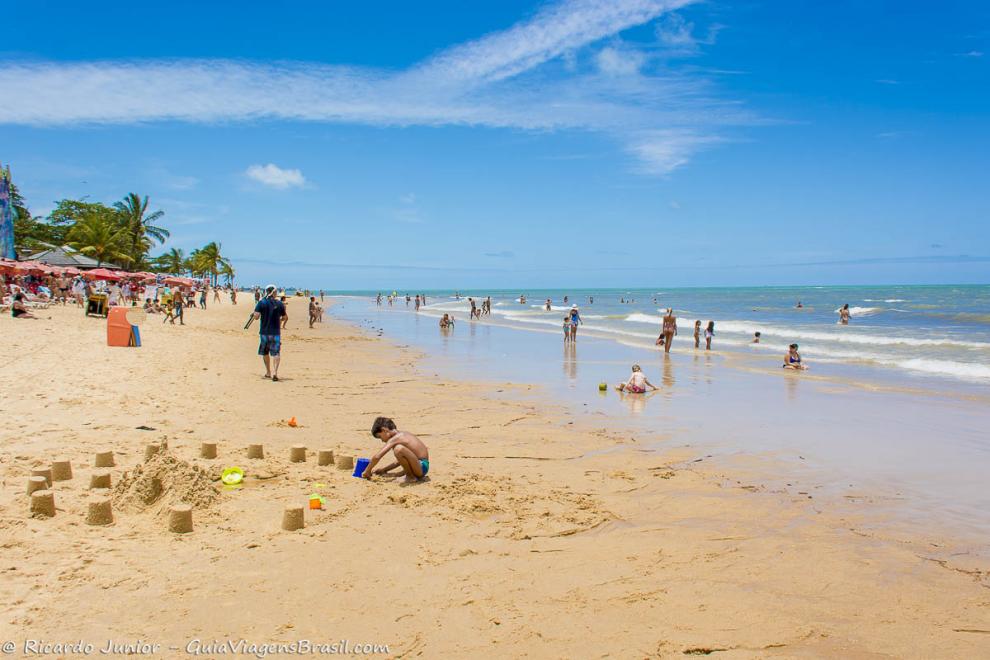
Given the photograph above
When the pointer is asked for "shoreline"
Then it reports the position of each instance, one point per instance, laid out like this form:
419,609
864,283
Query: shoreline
853,439
528,535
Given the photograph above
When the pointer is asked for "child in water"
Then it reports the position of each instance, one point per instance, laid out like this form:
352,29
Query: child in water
793,359
709,333
567,329
637,382
697,334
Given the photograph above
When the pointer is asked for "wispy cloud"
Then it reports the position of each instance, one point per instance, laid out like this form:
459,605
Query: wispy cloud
504,254
663,151
273,176
617,61
549,72
678,35
888,81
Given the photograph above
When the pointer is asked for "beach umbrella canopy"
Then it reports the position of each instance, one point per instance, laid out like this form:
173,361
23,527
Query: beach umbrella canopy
102,274
29,267
69,270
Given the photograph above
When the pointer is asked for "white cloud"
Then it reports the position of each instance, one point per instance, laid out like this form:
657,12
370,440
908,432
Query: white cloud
676,32
678,35
496,81
274,176
618,61
408,198
661,152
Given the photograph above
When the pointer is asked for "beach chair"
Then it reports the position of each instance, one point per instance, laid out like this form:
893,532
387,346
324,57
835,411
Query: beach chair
96,305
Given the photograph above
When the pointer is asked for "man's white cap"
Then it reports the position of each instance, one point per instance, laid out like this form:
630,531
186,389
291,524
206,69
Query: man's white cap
270,288
573,306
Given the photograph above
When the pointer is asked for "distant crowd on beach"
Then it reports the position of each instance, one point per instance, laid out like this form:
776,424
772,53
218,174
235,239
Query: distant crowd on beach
24,293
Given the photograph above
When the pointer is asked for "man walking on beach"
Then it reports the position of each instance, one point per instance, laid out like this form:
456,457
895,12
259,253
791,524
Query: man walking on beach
271,311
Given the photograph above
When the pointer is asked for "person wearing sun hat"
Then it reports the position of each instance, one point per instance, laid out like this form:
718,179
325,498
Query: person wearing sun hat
270,311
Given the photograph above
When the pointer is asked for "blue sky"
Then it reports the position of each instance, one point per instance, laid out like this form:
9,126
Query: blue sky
587,143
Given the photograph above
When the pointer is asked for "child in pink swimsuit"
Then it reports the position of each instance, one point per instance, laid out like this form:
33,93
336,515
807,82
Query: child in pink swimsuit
637,382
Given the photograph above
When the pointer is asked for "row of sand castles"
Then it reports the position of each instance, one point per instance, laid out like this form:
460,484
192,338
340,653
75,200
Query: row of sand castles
180,519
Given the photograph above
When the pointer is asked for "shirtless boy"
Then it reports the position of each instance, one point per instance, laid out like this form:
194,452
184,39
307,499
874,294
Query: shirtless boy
410,453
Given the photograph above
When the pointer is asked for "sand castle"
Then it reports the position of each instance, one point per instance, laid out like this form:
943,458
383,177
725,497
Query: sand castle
180,519
43,472
100,512
99,479
61,469
161,483
292,518
43,503
36,483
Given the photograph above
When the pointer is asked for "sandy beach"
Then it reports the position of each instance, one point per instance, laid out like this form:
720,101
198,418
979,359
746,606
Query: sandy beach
537,535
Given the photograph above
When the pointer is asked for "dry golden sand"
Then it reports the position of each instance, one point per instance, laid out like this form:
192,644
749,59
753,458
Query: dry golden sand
528,540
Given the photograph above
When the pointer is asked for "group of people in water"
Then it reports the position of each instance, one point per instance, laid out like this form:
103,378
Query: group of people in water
637,383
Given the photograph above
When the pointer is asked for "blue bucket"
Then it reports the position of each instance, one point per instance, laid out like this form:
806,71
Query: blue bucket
360,465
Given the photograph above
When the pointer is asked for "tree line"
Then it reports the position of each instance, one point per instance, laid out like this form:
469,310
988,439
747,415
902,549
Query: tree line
123,235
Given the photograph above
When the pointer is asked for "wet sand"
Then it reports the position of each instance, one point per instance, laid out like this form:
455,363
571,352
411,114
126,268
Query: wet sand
539,533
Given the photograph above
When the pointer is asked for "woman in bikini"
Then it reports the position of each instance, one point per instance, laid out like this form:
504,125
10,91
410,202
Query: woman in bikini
793,359
669,329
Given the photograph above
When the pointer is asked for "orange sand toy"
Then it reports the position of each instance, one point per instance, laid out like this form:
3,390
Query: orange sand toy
293,423
315,501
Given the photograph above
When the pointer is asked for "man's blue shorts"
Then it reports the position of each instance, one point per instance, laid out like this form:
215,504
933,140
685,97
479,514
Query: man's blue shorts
270,345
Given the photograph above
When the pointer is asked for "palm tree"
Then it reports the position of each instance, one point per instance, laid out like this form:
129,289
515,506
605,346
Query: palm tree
227,270
209,260
100,238
140,227
173,261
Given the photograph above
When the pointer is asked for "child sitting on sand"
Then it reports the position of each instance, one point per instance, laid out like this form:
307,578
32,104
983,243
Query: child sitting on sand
411,454
637,382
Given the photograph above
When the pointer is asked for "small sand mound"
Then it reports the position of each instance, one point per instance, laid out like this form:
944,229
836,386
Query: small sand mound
162,481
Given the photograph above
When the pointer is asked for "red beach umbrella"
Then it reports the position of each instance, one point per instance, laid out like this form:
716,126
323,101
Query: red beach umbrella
102,274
